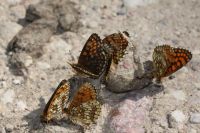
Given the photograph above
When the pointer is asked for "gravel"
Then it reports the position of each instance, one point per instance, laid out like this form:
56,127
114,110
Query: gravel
38,38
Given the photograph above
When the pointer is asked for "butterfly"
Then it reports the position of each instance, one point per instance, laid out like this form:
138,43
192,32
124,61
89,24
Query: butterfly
58,101
85,108
93,60
117,44
80,103
168,60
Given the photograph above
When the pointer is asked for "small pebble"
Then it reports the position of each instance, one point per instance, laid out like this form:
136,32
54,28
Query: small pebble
134,3
8,96
16,81
92,24
9,127
2,130
178,115
43,65
28,61
176,118
195,118
3,84
21,105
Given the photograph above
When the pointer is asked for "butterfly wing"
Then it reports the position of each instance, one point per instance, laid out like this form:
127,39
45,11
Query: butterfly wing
118,43
168,60
55,106
159,59
93,59
84,108
177,59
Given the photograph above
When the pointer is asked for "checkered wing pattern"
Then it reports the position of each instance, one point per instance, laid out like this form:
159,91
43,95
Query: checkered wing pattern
58,101
117,44
93,59
168,60
84,109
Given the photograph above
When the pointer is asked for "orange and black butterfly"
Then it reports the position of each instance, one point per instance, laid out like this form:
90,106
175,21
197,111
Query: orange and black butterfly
79,102
84,108
93,59
117,44
58,101
168,60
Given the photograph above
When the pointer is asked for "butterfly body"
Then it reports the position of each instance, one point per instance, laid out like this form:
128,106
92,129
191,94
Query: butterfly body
168,60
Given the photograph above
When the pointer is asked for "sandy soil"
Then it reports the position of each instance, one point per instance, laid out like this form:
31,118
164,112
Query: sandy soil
34,56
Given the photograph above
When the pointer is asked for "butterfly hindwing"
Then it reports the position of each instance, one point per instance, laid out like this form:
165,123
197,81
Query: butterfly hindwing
58,101
84,108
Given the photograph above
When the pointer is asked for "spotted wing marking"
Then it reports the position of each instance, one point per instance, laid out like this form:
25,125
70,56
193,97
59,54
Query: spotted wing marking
84,109
168,60
58,101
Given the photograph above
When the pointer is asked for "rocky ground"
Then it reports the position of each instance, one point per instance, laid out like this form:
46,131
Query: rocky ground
37,41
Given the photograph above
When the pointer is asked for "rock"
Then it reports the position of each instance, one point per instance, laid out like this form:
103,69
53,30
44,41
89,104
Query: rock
31,39
38,11
129,117
21,105
2,129
176,118
43,65
92,24
2,109
69,22
195,118
8,96
28,61
3,84
130,73
29,42
9,128
18,12
134,3
8,30
13,2
63,12
16,81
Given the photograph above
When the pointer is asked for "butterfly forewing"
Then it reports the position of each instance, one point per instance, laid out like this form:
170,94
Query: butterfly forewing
168,60
93,59
117,44
84,108
58,101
